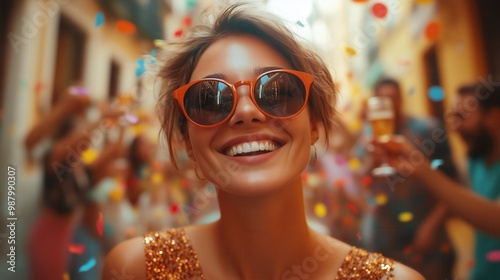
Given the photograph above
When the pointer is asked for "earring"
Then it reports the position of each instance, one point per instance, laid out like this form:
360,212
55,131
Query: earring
315,158
196,172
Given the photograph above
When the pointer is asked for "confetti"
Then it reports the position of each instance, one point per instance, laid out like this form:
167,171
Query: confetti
160,43
88,265
436,93
152,60
320,209
407,250
130,118
191,3
339,183
436,163
99,225
366,181
340,160
174,208
424,1
178,33
379,10
116,194
79,91
432,31
141,67
381,199
39,87
66,276
126,27
99,19
299,23
360,1
157,178
187,21
493,256
313,180
354,164
358,235
353,208
89,155
405,217
76,248
350,51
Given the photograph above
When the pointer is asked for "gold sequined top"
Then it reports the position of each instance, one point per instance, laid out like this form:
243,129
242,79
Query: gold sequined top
170,256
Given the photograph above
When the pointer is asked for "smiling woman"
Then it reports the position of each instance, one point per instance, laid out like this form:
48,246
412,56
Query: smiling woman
247,99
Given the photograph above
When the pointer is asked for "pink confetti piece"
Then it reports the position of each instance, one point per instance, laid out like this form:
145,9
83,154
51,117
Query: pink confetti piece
358,235
133,119
493,256
99,225
79,91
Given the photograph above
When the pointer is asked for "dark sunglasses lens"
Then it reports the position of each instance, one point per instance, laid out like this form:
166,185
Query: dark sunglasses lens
208,102
280,94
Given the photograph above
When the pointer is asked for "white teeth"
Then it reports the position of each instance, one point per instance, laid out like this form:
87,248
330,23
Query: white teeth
250,147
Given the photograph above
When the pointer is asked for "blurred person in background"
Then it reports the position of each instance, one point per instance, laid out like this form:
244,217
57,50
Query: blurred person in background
475,118
420,241
58,141
265,107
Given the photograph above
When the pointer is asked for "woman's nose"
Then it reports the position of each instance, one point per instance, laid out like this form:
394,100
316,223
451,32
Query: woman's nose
246,112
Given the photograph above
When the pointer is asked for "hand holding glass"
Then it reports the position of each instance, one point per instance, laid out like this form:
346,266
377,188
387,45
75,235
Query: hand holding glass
381,116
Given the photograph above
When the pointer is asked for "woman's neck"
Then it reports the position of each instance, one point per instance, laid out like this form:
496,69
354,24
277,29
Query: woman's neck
262,237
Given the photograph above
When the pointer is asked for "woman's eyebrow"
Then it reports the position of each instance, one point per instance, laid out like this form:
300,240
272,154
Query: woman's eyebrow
216,76
260,70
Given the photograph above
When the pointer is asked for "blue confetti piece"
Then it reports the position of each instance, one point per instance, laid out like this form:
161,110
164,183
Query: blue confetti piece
299,23
88,266
153,56
436,93
141,68
99,19
436,163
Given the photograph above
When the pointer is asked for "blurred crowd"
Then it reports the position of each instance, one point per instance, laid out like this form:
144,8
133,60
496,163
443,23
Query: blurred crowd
106,179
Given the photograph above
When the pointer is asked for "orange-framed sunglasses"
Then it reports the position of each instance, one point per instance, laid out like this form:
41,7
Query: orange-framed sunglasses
279,94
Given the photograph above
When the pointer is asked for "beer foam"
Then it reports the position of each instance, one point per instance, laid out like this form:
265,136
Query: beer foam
380,115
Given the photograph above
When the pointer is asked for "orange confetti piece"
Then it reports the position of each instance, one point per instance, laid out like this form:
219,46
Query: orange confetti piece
126,27
99,225
366,181
360,1
353,208
66,276
379,10
350,51
126,99
339,183
432,31
76,248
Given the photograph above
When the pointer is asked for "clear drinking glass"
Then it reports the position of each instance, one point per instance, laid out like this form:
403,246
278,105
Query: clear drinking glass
381,116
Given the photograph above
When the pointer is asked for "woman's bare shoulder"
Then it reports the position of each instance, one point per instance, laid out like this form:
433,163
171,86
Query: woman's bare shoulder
402,271
126,259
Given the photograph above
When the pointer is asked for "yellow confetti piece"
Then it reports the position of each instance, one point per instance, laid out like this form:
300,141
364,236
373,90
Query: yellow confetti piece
381,199
356,91
66,276
354,164
424,1
160,43
137,129
89,155
320,209
157,178
405,217
354,125
116,194
313,180
350,51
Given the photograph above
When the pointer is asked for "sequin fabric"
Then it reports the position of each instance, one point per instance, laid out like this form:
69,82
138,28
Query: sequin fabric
359,264
169,256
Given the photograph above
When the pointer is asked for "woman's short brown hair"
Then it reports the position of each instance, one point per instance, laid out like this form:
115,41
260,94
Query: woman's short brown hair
182,57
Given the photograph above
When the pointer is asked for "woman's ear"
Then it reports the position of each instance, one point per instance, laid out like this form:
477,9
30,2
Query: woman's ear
314,132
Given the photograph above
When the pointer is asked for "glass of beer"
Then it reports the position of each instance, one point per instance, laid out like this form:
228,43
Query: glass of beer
381,116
